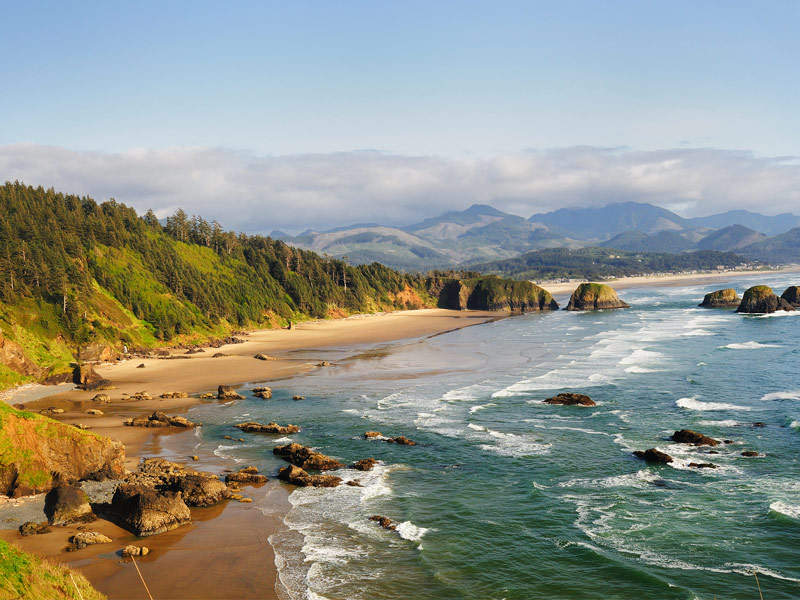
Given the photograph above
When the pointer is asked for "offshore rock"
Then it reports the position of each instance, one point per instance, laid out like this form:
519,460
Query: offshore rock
792,295
760,299
571,399
726,298
365,464
297,476
493,293
384,522
145,511
595,296
654,456
226,392
253,427
402,440
248,475
687,436
306,458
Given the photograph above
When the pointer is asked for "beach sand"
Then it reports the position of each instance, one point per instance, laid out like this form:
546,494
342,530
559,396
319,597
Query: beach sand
225,552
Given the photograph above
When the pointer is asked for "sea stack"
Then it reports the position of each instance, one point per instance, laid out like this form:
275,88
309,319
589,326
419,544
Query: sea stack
726,298
595,296
792,295
760,299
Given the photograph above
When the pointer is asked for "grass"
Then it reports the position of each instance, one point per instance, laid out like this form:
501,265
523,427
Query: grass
27,576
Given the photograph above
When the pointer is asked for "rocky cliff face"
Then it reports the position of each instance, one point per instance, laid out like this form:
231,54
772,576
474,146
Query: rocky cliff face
792,295
36,452
760,299
13,357
595,296
494,293
726,298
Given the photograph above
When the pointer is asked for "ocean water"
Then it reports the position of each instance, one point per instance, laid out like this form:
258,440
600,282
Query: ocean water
507,497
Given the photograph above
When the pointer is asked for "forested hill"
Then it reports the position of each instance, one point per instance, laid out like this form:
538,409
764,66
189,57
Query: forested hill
75,272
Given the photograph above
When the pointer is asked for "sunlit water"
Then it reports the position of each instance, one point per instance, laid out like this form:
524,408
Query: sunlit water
506,497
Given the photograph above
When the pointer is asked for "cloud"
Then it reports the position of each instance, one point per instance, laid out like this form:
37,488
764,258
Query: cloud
253,193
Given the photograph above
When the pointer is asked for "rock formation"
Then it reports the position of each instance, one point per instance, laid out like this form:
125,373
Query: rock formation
66,504
792,295
200,490
88,538
653,455
687,436
146,511
262,392
365,464
35,451
306,458
253,427
384,522
33,528
297,476
131,550
174,395
160,419
750,453
13,357
493,293
226,392
248,475
760,299
595,296
726,298
571,399
401,440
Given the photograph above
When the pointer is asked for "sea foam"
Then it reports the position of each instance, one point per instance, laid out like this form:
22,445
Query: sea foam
694,404
752,345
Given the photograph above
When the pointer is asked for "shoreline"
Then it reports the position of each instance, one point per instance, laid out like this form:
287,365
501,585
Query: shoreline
676,280
226,546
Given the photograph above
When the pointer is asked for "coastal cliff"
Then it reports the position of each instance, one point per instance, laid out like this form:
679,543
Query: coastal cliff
37,452
595,296
494,293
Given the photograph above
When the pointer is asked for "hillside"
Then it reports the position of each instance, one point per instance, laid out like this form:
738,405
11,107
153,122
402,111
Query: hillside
600,223
79,274
782,248
636,241
602,263
733,237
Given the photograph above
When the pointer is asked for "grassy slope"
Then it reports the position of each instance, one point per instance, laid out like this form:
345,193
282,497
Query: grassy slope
26,576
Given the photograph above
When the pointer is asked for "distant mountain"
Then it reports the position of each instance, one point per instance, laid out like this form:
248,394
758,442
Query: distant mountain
475,234
610,220
728,239
636,241
780,249
768,225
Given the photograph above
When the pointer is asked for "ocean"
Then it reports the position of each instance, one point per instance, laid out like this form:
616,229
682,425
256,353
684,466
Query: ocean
505,497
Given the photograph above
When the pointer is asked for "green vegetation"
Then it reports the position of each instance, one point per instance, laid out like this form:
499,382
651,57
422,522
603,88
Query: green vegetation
76,272
26,576
603,263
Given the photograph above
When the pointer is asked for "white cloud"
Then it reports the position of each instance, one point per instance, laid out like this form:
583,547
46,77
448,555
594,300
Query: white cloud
258,194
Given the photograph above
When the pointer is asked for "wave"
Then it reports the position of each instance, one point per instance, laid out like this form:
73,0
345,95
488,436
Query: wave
793,395
787,510
723,423
509,444
752,345
795,424
637,370
698,333
477,407
642,479
409,531
694,404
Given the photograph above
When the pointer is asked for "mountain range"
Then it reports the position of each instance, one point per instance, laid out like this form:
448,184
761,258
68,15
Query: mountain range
482,233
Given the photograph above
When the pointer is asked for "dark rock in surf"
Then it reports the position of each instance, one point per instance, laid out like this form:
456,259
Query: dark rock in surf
654,456
571,399
687,436
760,299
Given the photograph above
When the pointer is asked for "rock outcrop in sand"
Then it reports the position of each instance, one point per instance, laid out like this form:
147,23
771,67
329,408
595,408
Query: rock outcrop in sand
36,452
726,298
66,504
227,392
248,475
160,419
146,511
760,299
595,296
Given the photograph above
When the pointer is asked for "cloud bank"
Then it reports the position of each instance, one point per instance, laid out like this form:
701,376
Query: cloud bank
254,194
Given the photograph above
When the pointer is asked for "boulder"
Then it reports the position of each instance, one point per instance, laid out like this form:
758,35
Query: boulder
402,440
88,538
687,436
324,363
248,475
654,456
297,476
140,366
262,392
94,411
132,550
140,396
726,298
160,419
104,398
365,464
703,465
66,504
595,296
39,452
174,395
200,490
792,295
145,511
298,398
749,453
253,427
33,528
219,355
306,458
226,392
208,396
372,434
760,299
264,357
571,399
384,522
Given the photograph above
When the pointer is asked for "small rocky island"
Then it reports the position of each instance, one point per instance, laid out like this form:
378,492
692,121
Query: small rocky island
726,298
760,299
595,296
792,295
493,293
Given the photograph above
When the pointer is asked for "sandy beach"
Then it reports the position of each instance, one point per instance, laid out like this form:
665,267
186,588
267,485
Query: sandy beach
681,279
225,552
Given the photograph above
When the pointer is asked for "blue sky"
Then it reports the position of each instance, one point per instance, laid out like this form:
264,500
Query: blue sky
448,80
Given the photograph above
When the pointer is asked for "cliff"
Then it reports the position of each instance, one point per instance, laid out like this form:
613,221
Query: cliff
35,451
494,293
760,299
595,296
726,298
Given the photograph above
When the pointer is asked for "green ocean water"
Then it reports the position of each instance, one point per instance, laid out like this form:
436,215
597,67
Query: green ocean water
506,497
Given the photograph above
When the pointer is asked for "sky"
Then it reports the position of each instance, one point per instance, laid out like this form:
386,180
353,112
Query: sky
278,115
